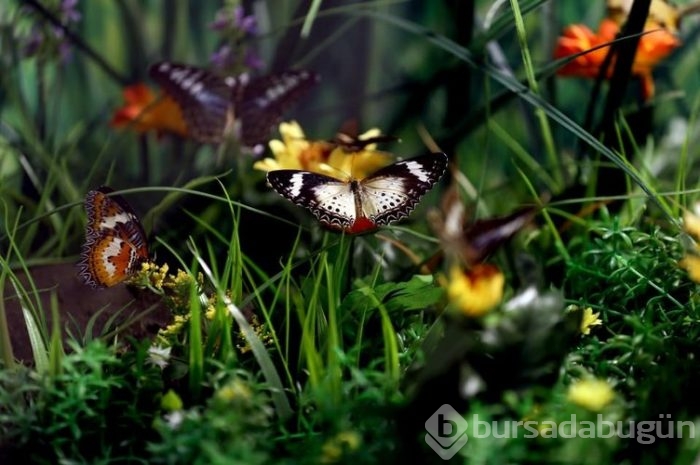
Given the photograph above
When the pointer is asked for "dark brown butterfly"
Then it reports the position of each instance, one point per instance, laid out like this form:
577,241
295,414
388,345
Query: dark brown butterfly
472,242
215,106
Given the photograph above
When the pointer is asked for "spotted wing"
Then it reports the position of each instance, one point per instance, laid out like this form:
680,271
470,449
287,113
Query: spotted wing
203,97
262,102
115,242
331,201
393,192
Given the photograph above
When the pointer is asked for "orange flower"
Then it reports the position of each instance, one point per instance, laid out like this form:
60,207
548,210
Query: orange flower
655,45
144,111
575,39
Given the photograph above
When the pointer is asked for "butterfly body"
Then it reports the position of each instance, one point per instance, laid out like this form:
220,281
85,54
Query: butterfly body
359,206
214,106
115,242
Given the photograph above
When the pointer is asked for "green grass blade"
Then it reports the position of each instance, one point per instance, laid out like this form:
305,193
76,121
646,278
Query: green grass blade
196,345
56,342
269,371
6,354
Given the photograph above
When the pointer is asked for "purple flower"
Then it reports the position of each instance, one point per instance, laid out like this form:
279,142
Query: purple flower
69,12
65,51
234,19
221,21
252,60
222,58
245,23
52,40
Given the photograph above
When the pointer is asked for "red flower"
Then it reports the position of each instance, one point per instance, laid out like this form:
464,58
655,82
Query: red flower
655,45
144,111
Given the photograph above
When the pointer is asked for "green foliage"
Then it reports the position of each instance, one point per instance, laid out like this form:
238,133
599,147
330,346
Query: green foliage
96,402
235,424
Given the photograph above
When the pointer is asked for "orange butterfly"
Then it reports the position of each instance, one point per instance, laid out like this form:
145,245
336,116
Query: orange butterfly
115,242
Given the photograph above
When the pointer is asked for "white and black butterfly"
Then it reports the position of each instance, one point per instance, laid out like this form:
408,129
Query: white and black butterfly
359,206
213,106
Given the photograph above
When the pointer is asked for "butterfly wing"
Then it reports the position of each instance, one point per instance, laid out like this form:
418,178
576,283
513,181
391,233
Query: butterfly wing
204,98
262,102
115,242
393,192
331,201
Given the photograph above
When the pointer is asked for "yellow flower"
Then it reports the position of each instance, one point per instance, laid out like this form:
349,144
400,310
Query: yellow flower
477,291
260,331
210,313
589,319
691,261
288,151
175,327
155,274
295,152
358,164
691,224
235,390
345,441
591,394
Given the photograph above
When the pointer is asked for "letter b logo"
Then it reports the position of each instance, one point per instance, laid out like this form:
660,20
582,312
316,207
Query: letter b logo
446,427
446,432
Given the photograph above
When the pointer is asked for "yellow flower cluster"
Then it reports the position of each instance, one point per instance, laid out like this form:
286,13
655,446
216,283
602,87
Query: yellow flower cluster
174,328
157,275
175,288
295,152
178,290
260,331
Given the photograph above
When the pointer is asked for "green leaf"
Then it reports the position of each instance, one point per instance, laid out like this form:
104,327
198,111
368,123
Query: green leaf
418,293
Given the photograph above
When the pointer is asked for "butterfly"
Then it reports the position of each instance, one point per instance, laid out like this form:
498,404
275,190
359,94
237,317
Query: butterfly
214,106
473,242
359,206
115,242
350,141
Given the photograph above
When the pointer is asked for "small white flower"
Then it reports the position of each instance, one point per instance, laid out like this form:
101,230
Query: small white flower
159,356
174,419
